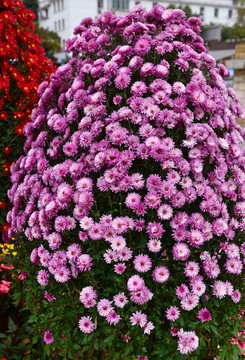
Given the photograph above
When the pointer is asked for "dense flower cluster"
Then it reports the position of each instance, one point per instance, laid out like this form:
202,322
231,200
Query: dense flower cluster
133,179
23,66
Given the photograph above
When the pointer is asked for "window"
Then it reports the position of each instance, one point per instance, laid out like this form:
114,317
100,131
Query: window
55,26
201,10
58,5
154,4
59,25
137,2
44,14
55,6
100,4
230,14
63,24
61,4
216,12
120,4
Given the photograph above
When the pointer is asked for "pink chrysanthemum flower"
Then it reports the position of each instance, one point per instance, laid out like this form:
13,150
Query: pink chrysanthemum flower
122,80
165,212
120,300
86,325
135,283
138,318
48,338
118,243
155,230
64,192
198,287
191,269
49,296
189,302
236,296
110,256
219,289
172,313
147,330
42,277
160,274
142,46
234,266
125,254
88,296
142,263
119,268
188,341
62,274
154,245
113,317
141,296
204,315
73,252
132,200
182,291
181,251
117,99
104,306
84,262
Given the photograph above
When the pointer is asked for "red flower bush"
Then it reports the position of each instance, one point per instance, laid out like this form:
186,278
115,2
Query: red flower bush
23,66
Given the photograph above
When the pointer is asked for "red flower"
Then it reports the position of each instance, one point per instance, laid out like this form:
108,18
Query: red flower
19,130
5,286
18,114
10,267
2,204
6,167
6,150
3,115
5,227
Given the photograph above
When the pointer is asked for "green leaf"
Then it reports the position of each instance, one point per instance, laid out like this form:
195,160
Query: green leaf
109,339
34,339
214,329
96,344
11,325
9,341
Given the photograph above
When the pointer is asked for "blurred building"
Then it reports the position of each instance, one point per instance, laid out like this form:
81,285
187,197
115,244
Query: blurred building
62,16
238,64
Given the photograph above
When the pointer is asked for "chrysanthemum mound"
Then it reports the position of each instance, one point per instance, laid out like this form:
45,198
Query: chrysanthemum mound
132,187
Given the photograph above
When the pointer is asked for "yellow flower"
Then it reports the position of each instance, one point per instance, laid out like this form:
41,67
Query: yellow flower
14,253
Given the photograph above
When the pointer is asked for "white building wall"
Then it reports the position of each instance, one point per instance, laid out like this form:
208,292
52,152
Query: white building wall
206,8
62,16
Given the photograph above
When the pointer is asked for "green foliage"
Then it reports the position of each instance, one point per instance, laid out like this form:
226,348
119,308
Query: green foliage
236,32
50,41
31,5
